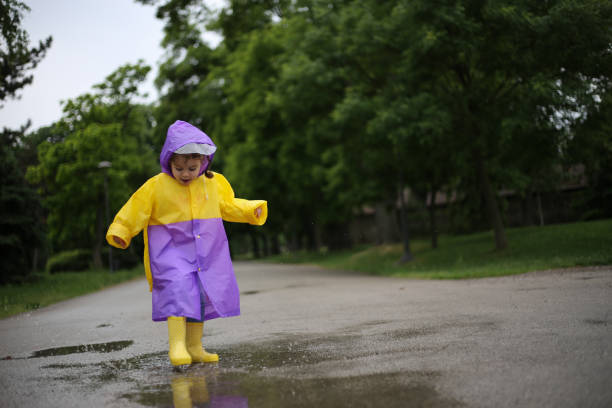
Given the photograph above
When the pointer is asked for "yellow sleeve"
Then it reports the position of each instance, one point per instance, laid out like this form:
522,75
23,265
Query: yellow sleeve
237,209
133,216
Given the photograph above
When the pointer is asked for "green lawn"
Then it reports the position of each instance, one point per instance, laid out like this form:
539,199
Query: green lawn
473,256
49,289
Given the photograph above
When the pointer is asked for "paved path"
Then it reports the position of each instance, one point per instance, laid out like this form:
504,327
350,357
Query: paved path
309,337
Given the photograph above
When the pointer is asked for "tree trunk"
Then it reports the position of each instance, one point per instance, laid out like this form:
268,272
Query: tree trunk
407,255
293,238
266,247
490,198
97,249
540,212
433,223
295,242
255,245
35,260
275,245
311,236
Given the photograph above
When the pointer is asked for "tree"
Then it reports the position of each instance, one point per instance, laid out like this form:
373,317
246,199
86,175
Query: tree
324,157
591,146
406,128
486,56
17,59
20,213
251,132
328,106
242,17
103,126
20,210
198,84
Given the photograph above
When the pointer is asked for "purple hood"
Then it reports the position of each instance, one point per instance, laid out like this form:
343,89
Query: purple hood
179,134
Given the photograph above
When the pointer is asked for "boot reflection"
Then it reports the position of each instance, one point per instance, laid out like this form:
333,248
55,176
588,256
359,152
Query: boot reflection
189,390
199,391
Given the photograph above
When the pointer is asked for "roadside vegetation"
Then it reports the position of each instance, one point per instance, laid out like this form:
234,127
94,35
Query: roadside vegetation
46,289
472,256
457,257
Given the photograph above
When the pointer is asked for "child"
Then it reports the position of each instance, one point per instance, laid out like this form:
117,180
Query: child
186,257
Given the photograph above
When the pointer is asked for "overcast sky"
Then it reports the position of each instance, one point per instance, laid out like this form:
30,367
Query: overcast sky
91,38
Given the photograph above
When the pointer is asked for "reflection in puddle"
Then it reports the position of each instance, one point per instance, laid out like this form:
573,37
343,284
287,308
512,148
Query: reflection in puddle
182,388
83,348
197,385
188,391
281,373
214,388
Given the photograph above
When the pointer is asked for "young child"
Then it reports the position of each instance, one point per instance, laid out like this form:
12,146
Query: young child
186,258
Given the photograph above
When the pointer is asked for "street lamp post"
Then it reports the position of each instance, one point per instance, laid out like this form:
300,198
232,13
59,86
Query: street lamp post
105,165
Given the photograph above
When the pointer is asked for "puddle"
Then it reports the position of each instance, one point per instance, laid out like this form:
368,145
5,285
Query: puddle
241,390
279,373
83,348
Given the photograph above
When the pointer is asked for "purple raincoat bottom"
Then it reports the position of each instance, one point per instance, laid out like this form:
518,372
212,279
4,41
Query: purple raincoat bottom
185,257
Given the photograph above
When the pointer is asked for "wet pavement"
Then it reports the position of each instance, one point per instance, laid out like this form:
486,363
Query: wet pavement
309,337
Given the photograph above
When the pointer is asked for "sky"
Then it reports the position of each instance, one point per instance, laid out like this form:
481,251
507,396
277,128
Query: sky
91,39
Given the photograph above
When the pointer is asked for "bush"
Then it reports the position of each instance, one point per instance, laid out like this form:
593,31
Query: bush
72,260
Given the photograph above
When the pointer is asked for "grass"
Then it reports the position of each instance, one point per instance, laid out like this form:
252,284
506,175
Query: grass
473,256
49,289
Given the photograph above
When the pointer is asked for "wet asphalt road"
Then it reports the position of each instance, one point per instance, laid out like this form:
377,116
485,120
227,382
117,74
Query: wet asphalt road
309,337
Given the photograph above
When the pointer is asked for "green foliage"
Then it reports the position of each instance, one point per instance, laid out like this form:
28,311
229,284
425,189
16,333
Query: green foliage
105,126
20,212
188,80
22,235
252,127
17,59
73,260
592,146
323,107
485,64
242,17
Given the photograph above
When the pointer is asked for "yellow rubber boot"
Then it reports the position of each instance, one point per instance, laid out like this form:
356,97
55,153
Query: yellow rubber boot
194,344
176,338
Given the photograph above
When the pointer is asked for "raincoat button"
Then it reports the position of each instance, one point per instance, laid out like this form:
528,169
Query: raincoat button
197,236
199,269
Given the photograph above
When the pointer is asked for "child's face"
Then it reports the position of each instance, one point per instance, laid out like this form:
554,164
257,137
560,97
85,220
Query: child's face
185,170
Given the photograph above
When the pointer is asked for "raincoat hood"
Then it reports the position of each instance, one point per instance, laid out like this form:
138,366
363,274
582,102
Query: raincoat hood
179,134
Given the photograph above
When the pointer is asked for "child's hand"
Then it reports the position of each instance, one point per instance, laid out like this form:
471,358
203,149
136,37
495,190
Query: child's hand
119,241
258,212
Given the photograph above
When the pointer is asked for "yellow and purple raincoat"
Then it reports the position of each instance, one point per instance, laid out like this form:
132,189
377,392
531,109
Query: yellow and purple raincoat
186,255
